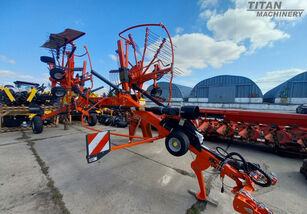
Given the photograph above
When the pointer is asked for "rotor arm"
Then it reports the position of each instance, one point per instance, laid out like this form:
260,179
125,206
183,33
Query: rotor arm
243,201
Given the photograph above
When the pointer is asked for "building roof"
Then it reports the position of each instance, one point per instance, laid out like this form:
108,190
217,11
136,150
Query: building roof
294,87
178,91
245,87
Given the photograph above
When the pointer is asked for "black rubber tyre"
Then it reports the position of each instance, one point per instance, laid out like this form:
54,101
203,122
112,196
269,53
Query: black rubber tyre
47,59
116,120
6,100
37,125
304,172
108,121
156,92
58,91
303,169
43,99
177,143
57,74
92,120
268,181
102,118
121,124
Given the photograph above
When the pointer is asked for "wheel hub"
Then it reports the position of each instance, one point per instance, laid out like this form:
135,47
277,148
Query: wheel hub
174,144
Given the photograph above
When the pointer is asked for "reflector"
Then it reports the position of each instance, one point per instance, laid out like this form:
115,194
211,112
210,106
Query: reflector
97,145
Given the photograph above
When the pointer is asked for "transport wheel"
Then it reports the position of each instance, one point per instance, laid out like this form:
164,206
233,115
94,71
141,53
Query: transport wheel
156,92
177,143
37,124
117,119
92,120
258,176
102,118
303,169
57,74
58,91
122,124
47,59
109,121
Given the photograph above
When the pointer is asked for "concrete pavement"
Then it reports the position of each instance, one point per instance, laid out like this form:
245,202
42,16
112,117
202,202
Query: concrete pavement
141,179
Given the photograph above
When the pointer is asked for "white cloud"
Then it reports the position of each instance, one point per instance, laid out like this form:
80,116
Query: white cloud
288,4
101,91
197,50
241,3
207,3
14,75
114,57
44,79
7,60
179,30
206,14
145,86
11,76
274,78
189,83
295,4
238,25
292,4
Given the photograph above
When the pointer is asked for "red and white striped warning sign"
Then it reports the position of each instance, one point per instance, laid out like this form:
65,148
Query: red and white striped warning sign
98,145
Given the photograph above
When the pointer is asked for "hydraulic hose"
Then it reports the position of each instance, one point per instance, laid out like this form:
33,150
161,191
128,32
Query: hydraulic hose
229,155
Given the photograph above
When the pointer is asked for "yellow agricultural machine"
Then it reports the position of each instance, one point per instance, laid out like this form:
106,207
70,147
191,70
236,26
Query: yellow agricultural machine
24,93
18,101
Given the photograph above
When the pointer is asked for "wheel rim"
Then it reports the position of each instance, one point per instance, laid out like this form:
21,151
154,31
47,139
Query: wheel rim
58,76
59,93
174,144
259,177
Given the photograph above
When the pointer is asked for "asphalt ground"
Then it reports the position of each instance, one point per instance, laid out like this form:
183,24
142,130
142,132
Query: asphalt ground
48,173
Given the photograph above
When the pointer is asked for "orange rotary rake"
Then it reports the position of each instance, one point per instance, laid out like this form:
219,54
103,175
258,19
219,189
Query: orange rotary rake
176,125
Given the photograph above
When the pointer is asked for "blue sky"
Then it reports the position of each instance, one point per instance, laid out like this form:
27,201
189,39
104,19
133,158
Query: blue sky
212,37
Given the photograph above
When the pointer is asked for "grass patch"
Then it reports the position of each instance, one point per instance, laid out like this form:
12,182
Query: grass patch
197,207
193,210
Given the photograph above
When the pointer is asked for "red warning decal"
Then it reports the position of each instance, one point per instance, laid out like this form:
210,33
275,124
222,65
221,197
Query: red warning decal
98,145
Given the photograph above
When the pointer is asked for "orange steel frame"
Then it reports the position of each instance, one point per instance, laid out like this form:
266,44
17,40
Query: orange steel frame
69,81
202,161
138,74
244,185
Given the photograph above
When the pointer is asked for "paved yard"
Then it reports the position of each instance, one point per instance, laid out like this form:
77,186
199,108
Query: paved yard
48,173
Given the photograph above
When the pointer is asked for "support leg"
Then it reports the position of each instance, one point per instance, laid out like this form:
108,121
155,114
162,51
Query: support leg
202,194
133,126
146,129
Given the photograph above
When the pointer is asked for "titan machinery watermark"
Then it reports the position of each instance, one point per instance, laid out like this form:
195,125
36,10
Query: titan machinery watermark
273,9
